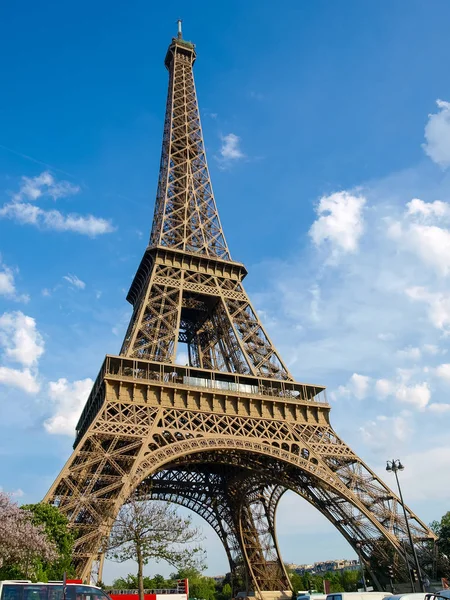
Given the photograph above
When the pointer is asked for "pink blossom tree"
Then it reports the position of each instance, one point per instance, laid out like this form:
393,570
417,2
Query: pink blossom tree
21,542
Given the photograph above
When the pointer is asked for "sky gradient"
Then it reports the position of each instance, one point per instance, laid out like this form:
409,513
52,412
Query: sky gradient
327,130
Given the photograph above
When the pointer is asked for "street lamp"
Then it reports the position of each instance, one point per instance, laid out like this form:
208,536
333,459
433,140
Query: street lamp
393,466
361,564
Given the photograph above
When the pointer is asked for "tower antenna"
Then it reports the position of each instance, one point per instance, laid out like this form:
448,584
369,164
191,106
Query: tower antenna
180,34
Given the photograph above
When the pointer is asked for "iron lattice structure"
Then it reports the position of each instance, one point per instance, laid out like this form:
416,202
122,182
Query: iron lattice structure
229,433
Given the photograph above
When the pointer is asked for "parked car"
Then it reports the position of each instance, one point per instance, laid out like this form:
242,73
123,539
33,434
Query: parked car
358,596
26,590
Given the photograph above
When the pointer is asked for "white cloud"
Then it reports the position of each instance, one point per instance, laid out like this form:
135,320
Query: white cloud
20,338
421,232
383,388
437,135
340,223
69,400
22,343
53,219
418,480
410,353
439,408
430,349
438,305
23,379
385,433
357,386
443,371
8,286
401,388
230,149
75,281
44,185
417,395
404,389
427,211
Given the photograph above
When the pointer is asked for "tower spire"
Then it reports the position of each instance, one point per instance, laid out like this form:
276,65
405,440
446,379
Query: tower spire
186,216
180,33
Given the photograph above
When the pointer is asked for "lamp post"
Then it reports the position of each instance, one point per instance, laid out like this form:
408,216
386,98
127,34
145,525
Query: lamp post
393,466
361,564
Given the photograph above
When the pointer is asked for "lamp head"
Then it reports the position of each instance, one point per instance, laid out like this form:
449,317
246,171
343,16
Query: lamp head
400,467
388,466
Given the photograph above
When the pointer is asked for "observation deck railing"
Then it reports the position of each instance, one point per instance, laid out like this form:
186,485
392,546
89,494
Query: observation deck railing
178,376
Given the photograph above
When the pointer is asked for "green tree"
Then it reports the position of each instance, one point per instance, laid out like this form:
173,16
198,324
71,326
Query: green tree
55,526
442,530
444,534
130,582
153,530
226,592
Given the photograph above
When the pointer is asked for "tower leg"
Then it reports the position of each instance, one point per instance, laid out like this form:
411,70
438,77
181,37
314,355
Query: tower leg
255,526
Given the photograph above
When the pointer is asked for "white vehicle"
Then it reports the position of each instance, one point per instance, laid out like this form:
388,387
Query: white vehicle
359,596
409,596
25,590
421,595
308,596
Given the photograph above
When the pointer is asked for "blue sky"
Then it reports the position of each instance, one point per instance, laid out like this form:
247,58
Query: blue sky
328,152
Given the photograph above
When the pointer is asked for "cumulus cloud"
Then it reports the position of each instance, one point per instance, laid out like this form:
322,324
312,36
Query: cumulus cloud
437,135
75,281
357,387
8,286
423,232
385,433
340,222
405,388
428,210
20,338
23,344
22,379
410,353
402,388
230,149
437,304
23,211
69,400
443,371
439,408
417,395
32,188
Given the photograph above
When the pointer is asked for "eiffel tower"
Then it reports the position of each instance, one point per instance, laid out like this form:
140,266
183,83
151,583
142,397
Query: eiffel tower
227,434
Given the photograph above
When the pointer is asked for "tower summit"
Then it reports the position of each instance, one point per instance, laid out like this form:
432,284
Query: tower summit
227,434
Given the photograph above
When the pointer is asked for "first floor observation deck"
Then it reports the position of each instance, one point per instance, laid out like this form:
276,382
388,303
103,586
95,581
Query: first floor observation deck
170,376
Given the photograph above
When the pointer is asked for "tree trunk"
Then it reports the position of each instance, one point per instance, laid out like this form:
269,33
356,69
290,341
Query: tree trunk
140,563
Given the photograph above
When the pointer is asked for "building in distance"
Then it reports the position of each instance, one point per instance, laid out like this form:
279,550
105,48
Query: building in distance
326,566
